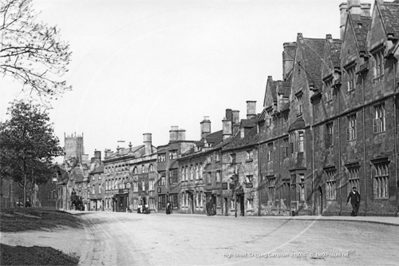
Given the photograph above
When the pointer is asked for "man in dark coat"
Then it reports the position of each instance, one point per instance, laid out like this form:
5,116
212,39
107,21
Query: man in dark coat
209,206
354,198
168,208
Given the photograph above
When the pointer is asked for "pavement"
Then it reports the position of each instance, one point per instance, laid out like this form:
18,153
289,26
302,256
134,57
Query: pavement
387,220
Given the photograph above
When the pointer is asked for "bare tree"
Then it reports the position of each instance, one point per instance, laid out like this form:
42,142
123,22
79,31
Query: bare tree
32,52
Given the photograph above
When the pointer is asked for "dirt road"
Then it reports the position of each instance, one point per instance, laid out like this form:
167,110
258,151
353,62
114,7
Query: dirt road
160,239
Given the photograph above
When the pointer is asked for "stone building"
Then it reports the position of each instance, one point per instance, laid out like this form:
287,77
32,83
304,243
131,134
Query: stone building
331,123
143,176
198,171
167,185
96,189
118,180
239,164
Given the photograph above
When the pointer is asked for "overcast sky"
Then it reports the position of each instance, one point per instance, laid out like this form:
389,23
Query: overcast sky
144,66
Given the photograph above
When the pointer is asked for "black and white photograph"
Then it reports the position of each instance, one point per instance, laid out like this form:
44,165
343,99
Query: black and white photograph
199,132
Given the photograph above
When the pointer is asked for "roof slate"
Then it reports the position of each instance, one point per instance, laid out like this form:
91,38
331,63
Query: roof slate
390,16
362,32
285,89
248,122
249,139
313,57
273,90
99,170
335,52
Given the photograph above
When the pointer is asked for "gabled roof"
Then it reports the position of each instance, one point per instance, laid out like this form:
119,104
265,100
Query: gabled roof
362,32
248,122
335,52
390,16
271,86
261,117
313,50
273,90
99,170
251,137
213,138
125,151
77,174
285,87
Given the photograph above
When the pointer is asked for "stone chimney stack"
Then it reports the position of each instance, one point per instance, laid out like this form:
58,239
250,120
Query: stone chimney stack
365,9
236,121
251,109
147,139
107,152
343,7
354,8
97,155
205,127
227,128
181,134
173,133
236,117
229,114
288,58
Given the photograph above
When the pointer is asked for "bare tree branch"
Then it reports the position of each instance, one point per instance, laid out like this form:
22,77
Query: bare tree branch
32,52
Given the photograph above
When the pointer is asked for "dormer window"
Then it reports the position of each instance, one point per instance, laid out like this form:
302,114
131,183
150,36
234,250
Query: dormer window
379,63
299,102
351,76
328,89
269,117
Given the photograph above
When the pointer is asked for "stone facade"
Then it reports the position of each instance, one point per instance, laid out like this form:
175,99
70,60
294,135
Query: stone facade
167,185
143,177
340,126
118,167
240,167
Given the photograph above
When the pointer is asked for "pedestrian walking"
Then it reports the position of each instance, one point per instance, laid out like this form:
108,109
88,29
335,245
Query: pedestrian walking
354,198
209,207
168,208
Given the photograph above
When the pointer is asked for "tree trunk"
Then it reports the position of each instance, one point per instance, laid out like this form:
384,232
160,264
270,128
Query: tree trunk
24,171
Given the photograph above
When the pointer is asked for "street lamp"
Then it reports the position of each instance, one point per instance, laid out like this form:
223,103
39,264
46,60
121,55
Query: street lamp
234,178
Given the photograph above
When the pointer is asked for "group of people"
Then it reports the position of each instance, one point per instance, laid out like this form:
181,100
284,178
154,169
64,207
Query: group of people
353,198
143,208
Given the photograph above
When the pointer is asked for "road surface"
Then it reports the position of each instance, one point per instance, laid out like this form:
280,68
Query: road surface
177,239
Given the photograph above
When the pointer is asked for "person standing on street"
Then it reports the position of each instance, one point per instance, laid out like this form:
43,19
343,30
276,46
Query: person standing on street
354,198
168,207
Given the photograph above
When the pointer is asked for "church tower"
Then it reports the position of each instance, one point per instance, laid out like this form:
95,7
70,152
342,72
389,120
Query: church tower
73,146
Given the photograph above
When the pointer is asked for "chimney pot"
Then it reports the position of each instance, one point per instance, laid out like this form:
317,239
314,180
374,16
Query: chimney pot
251,109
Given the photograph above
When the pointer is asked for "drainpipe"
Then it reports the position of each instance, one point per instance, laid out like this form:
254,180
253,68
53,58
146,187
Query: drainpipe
395,65
259,182
313,164
339,143
364,145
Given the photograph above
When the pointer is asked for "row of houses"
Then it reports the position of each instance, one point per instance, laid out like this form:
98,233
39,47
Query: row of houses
329,124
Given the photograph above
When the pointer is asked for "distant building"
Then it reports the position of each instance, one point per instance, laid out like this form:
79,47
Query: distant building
167,185
123,170
73,147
